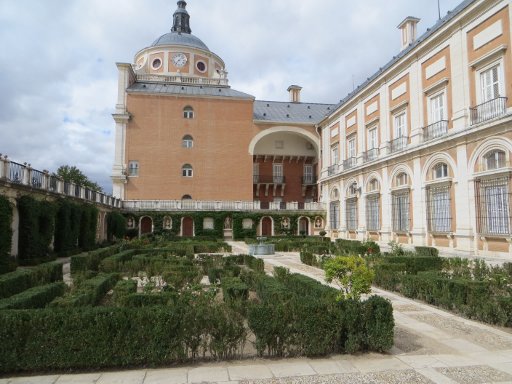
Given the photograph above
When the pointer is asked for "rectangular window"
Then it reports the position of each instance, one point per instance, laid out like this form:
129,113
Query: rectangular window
334,154
351,147
277,173
351,214
308,174
400,208
334,214
490,83
372,138
400,125
133,168
437,110
439,209
493,206
372,213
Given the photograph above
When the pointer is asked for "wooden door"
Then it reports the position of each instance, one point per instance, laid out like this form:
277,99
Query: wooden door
146,225
266,226
303,226
187,227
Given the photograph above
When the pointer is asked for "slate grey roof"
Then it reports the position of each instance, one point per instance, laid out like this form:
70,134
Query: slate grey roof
277,111
176,38
189,90
430,31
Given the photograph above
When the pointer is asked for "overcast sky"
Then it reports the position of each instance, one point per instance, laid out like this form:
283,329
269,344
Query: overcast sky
58,76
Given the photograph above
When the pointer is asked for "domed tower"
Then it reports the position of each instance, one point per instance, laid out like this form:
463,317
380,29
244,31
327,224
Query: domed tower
176,116
180,56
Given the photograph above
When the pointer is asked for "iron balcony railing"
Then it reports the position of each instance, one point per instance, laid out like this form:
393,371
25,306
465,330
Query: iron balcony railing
488,110
370,154
308,180
437,129
351,162
398,144
258,179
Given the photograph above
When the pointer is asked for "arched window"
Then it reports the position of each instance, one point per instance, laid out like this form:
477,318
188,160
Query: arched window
187,141
352,190
187,171
188,112
351,207
439,171
401,179
186,197
335,194
373,185
494,159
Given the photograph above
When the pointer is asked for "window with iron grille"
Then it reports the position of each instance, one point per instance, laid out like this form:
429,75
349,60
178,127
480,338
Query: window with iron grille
373,212
493,199
351,214
439,208
400,208
334,214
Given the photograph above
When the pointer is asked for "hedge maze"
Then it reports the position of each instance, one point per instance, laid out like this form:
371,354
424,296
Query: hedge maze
165,302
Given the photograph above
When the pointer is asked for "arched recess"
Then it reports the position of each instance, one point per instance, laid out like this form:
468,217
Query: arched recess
304,226
488,145
434,160
399,169
282,129
266,226
370,177
145,225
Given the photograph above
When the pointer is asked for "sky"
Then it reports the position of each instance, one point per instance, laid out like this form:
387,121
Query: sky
58,76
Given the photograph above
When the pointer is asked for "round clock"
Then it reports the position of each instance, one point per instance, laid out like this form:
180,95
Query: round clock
179,60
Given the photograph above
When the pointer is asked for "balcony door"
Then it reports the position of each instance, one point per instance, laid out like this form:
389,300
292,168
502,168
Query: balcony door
308,174
277,173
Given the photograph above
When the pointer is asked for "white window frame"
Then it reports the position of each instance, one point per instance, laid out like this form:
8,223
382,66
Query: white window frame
373,138
308,173
479,77
434,117
278,172
187,170
133,168
351,147
188,112
403,127
187,142
335,154
373,211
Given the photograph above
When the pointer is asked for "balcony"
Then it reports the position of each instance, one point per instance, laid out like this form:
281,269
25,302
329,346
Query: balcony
351,162
488,110
203,205
332,170
437,129
186,80
308,180
398,144
370,154
258,179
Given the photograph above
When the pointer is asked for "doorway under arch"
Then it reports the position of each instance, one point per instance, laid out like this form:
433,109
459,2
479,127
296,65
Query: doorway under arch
266,226
187,227
146,225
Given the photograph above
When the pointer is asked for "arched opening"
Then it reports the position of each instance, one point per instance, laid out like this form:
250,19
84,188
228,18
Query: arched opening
304,226
146,225
266,226
187,227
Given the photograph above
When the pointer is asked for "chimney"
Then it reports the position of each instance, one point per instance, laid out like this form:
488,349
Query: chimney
408,31
294,91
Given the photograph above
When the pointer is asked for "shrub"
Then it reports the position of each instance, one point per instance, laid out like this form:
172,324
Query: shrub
122,289
5,235
91,260
234,289
22,279
351,274
36,297
89,293
116,225
114,263
427,251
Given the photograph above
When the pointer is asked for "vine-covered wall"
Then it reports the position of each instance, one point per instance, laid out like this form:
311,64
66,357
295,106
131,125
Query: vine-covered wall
5,233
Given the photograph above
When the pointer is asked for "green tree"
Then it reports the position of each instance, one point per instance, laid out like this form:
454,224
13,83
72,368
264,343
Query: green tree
351,274
72,174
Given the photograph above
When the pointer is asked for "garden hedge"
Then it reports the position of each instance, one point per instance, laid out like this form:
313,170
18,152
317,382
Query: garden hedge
36,297
24,278
5,235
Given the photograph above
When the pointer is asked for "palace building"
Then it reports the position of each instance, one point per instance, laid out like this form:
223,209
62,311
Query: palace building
419,154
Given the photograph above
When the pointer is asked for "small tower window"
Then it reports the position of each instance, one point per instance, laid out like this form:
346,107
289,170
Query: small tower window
187,171
133,168
201,66
187,141
188,113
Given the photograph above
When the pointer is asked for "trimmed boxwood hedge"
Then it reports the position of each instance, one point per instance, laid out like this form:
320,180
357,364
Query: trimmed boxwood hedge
36,297
24,278
89,292
5,235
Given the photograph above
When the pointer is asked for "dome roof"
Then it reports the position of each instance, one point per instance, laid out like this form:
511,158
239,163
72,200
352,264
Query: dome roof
177,38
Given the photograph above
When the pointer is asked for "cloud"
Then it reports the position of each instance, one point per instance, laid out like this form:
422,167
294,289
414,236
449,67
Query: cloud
59,79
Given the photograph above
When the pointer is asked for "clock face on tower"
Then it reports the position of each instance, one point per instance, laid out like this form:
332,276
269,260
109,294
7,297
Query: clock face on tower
179,60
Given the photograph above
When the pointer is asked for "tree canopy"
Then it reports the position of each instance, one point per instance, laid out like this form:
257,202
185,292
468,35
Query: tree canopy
72,174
